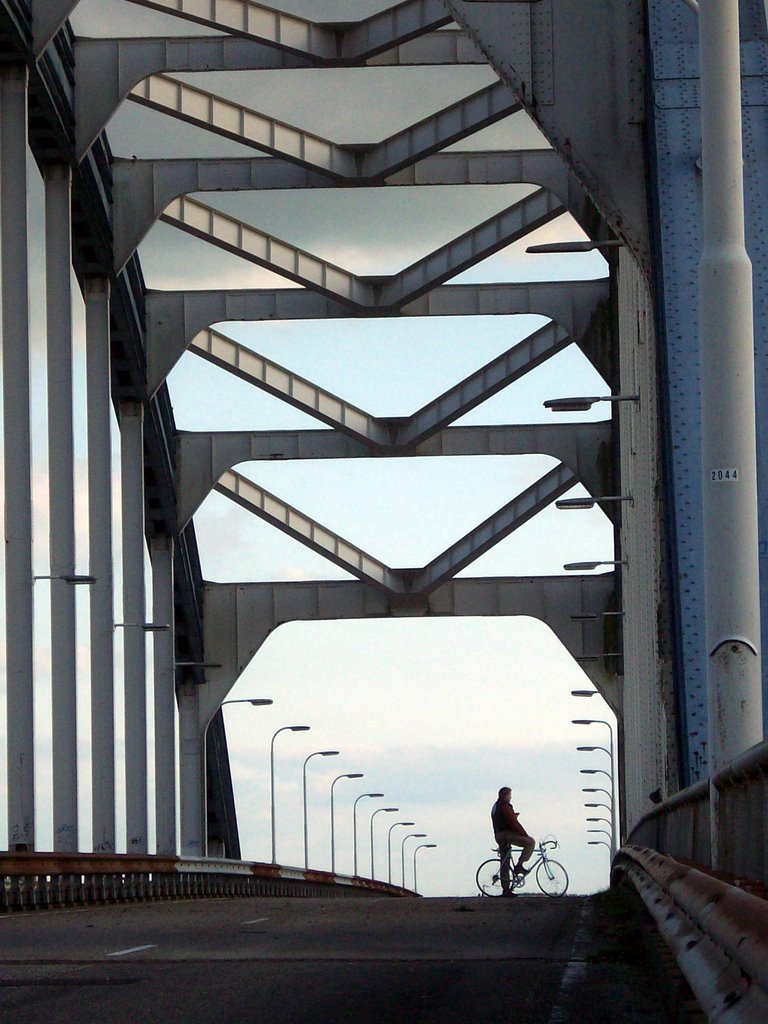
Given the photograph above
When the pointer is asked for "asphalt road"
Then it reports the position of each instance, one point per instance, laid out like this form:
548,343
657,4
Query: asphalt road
528,960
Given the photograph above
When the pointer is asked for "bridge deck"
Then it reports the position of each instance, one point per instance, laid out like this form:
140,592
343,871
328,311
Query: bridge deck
453,960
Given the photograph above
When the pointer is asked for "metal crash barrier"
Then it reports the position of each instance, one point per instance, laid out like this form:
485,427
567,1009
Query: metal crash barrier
49,880
717,932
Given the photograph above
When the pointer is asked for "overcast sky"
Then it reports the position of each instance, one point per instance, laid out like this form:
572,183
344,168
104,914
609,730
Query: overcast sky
437,713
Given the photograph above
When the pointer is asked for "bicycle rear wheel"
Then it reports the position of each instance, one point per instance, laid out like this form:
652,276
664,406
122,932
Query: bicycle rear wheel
552,878
489,877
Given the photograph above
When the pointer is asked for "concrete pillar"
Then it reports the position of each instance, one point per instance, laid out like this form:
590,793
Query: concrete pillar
17,455
192,772
102,614
61,471
134,617
161,552
729,463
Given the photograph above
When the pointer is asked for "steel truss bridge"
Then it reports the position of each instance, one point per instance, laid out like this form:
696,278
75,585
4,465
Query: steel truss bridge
614,91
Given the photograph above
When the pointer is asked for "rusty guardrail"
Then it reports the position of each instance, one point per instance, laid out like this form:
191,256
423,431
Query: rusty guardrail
49,880
717,932
680,825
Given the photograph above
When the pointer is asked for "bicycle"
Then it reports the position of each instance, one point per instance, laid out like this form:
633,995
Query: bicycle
551,877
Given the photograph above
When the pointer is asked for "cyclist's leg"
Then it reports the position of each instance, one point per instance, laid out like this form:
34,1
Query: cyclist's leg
527,845
505,856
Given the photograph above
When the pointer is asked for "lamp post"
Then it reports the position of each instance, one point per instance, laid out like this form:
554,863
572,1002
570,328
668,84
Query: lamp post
389,846
354,827
257,702
284,728
599,842
606,820
347,775
589,566
423,846
594,771
379,810
584,404
411,835
316,753
604,831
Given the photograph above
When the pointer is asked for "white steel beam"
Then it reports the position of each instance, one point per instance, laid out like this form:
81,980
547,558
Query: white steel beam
391,27
290,387
501,524
102,618
265,250
447,46
253,21
161,553
485,382
107,69
474,245
299,526
61,487
238,617
202,457
192,794
17,463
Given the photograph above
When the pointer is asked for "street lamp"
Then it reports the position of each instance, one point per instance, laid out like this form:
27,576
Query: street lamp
316,753
604,831
588,501
606,820
284,728
379,810
411,835
586,245
354,827
595,771
389,847
589,566
72,578
348,775
256,702
599,842
606,806
584,404
423,846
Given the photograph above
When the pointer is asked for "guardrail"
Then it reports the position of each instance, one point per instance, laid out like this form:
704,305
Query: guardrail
680,825
717,932
48,880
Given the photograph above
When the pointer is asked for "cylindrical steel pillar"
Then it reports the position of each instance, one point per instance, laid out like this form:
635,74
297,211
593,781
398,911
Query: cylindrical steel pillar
102,615
61,472
17,456
191,772
134,618
161,553
727,406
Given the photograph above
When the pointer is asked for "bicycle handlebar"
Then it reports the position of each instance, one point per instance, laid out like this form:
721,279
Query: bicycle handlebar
548,844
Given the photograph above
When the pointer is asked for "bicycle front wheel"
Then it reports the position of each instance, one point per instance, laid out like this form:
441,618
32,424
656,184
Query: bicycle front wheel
552,878
489,877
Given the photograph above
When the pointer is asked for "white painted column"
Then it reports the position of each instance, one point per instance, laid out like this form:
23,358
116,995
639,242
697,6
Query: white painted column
731,568
192,772
17,456
134,617
102,614
161,552
61,472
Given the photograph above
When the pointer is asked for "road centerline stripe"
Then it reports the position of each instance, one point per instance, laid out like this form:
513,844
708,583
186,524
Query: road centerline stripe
133,949
256,920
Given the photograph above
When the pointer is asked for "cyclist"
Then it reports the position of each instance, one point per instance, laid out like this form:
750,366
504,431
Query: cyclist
508,833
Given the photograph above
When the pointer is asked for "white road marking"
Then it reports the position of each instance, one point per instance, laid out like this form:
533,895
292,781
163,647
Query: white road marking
133,949
256,920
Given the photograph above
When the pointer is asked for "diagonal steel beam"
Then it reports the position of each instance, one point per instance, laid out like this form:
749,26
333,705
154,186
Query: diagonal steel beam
253,21
474,245
392,27
290,387
498,526
447,46
305,530
265,250
243,124
485,382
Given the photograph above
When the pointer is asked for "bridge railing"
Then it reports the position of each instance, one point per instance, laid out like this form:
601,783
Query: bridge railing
30,881
680,826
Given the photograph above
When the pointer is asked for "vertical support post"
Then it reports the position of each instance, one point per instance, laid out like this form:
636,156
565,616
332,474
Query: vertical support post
102,614
161,552
191,772
61,471
728,409
17,456
134,616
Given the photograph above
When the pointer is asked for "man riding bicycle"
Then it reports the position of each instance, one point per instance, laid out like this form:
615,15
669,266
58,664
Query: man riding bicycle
508,833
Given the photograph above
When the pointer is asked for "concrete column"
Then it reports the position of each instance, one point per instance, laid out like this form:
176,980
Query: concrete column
17,455
134,617
61,471
161,552
192,772
729,464
102,614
